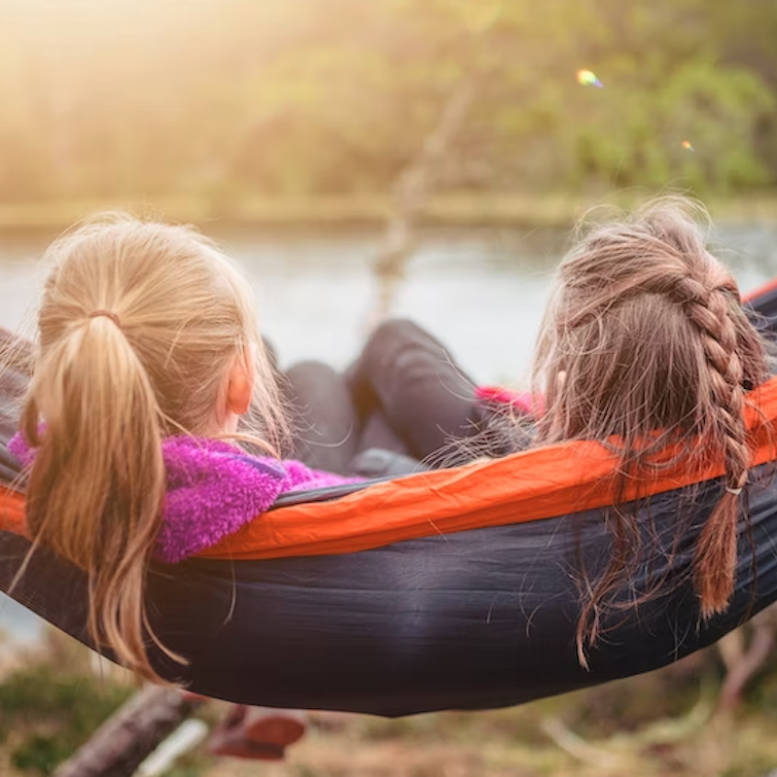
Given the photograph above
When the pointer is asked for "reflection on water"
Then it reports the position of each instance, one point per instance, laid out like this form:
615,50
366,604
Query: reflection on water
481,291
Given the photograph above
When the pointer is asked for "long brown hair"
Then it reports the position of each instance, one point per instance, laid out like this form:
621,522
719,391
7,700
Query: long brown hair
138,326
644,346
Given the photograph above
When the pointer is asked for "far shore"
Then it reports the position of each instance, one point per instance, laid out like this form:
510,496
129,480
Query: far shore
370,211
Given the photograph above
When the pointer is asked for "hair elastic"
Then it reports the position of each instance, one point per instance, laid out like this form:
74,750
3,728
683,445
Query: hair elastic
734,491
108,314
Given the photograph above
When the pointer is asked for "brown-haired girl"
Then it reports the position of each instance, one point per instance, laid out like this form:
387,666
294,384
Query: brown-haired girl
644,347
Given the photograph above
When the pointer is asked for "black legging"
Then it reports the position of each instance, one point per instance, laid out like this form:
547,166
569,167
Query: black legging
404,394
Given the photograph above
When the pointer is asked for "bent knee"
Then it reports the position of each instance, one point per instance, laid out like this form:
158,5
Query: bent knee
395,333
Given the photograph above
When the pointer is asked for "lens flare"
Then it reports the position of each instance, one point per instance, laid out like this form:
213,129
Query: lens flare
588,78
687,145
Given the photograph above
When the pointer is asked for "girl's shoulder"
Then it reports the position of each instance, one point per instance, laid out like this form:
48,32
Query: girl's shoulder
214,488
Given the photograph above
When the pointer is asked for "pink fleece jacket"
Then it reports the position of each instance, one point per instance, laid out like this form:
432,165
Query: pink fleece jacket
214,488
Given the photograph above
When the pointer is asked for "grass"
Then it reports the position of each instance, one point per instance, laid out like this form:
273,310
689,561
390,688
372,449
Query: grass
451,209
47,713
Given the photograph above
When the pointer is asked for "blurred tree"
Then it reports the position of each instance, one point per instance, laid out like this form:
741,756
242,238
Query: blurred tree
225,98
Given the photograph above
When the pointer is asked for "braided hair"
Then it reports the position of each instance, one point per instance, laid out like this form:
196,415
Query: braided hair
645,347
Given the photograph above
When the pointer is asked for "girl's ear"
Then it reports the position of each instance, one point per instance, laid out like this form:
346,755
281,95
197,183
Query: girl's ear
240,387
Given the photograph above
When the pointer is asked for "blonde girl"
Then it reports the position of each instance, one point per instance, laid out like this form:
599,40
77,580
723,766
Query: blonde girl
148,355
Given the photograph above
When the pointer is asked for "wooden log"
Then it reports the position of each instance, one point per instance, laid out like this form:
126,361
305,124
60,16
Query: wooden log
124,741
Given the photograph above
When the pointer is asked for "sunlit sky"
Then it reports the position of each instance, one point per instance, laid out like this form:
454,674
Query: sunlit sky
81,36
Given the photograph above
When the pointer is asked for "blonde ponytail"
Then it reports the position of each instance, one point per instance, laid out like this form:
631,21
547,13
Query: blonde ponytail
138,328
98,482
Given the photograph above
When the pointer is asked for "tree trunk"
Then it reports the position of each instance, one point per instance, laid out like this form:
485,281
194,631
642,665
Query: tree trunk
413,187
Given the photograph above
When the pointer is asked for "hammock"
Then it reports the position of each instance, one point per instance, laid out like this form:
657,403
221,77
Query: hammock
452,589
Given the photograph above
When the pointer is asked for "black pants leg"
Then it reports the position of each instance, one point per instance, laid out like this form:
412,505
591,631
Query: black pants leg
326,425
409,377
404,394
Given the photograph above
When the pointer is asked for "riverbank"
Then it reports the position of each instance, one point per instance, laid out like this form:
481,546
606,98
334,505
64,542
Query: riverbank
463,209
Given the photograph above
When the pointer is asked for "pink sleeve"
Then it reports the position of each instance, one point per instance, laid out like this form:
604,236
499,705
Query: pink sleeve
522,401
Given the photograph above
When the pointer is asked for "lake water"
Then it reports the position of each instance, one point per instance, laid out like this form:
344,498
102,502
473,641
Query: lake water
481,291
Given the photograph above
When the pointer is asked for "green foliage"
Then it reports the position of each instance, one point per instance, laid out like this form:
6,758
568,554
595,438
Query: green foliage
55,712
227,98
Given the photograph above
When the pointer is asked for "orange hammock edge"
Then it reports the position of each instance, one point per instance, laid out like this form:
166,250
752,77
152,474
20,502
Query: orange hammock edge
528,486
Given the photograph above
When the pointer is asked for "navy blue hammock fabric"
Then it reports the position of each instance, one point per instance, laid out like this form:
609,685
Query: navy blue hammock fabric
475,619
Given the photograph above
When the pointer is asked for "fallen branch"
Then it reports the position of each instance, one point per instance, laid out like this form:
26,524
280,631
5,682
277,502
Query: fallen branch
125,740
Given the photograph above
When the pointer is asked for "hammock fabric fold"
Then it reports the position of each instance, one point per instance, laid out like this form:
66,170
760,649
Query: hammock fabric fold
446,589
